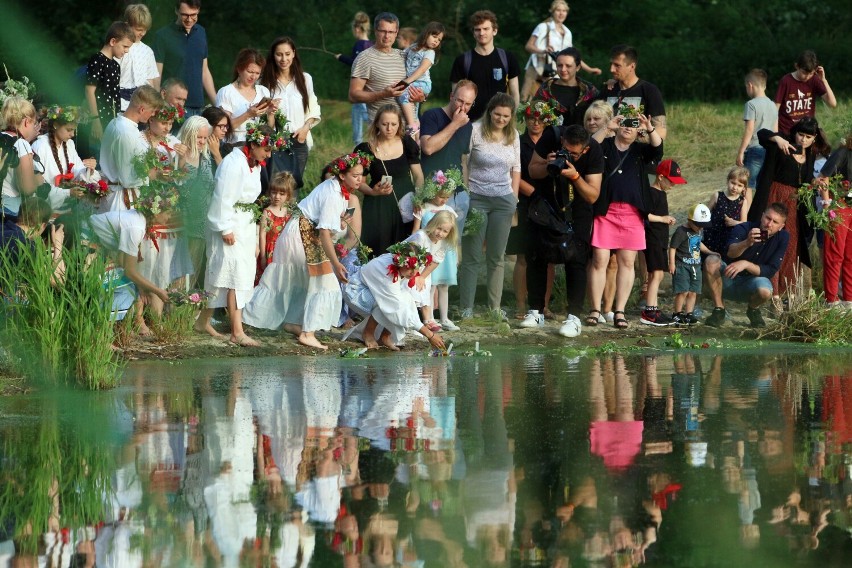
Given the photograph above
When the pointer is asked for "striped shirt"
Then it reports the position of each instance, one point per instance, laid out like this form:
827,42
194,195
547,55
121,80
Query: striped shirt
380,70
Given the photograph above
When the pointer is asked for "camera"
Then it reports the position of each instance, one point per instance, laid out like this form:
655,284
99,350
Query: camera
559,163
629,122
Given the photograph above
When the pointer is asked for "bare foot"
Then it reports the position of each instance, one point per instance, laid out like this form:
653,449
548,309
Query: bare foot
144,330
386,341
348,324
370,342
311,341
293,328
244,341
208,329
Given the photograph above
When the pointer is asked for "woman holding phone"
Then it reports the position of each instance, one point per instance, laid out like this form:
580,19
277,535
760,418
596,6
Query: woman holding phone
394,171
244,99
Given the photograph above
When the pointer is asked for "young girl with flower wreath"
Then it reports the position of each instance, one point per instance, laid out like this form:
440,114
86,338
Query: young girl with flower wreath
438,237
274,218
387,304
164,250
432,200
62,164
232,231
299,288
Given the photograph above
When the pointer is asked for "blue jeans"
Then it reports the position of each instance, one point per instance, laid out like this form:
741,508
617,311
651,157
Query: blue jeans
742,287
359,117
753,161
192,111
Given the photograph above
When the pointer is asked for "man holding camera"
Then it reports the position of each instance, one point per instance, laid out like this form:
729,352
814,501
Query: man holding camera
575,164
627,88
755,252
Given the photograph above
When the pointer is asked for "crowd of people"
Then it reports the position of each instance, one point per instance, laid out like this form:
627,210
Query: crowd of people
186,195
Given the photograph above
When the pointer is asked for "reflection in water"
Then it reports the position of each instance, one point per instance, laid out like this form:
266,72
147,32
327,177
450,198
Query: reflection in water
516,460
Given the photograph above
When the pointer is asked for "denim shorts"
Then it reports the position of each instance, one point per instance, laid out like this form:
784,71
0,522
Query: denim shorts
742,287
687,278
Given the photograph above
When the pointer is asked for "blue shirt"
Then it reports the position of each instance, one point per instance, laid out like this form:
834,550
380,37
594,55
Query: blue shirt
767,255
182,55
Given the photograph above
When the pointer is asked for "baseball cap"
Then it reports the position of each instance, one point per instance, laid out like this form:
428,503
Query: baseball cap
699,214
671,171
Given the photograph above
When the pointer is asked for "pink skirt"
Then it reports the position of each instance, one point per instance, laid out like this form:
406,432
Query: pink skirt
622,228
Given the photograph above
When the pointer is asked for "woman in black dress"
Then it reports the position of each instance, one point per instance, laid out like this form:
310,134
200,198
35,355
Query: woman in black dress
394,171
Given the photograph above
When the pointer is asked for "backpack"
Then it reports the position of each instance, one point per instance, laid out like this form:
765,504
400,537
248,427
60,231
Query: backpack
501,53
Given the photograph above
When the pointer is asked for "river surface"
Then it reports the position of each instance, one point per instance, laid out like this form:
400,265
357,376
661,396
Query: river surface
691,458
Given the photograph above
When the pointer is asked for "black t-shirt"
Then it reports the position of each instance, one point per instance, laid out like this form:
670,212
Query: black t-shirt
642,93
591,162
567,97
432,122
488,73
657,233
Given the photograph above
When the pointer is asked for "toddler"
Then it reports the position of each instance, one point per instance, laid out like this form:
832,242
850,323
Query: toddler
419,57
685,251
275,216
728,209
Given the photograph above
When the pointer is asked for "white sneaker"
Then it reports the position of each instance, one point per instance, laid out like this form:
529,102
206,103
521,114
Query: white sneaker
533,319
571,327
449,325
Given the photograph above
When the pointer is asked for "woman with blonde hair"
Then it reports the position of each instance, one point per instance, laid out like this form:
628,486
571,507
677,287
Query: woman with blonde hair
493,175
549,37
394,172
20,127
197,191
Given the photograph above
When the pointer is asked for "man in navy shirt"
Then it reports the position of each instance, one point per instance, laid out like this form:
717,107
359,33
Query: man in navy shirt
181,51
753,256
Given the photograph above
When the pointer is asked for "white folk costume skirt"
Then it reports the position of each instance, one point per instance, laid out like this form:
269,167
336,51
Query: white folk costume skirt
299,286
232,267
165,255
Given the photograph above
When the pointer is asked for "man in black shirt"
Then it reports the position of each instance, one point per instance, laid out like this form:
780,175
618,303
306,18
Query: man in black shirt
573,192
494,70
628,88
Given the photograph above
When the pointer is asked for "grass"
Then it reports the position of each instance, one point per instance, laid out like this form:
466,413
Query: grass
807,319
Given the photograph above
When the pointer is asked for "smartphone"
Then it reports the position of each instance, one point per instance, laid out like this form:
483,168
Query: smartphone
387,180
350,211
401,84
630,123
764,234
797,148
264,102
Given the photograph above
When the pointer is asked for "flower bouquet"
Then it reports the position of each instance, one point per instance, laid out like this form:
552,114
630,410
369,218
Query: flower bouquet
362,251
474,221
629,115
94,190
542,110
825,217
176,323
161,164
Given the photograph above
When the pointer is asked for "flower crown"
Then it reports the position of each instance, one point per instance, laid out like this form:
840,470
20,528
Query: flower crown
254,133
409,255
441,183
543,110
349,161
64,114
629,111
169,113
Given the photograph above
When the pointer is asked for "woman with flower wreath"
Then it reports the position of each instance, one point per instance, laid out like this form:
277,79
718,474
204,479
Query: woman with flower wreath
394,172
537,115
837,247
299,288
62,164
387,306
165,249
232,246
569,94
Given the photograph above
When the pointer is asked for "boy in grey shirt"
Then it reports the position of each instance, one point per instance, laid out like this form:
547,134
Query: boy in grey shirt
760,112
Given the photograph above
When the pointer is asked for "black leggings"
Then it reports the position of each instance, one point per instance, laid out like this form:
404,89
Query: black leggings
575,277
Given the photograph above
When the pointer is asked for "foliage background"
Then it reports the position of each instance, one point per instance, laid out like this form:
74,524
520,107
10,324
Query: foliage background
692,49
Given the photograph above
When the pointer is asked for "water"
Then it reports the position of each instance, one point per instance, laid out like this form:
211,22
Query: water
687,459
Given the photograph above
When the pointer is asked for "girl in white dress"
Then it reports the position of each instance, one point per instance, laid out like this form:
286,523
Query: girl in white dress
244,100
165,250
438,237
20,126
300,286
60,159
386,304
232,231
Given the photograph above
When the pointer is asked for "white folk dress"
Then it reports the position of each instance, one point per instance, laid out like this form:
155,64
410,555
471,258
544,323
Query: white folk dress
165,250
121,142
232,267
438,251
288,292
58,197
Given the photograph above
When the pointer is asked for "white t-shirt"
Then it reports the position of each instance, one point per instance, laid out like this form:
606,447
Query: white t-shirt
137,68
324,205
552,41
232,102
11,194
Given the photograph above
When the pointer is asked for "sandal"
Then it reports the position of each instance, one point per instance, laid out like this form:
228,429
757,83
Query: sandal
591,319
619,322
